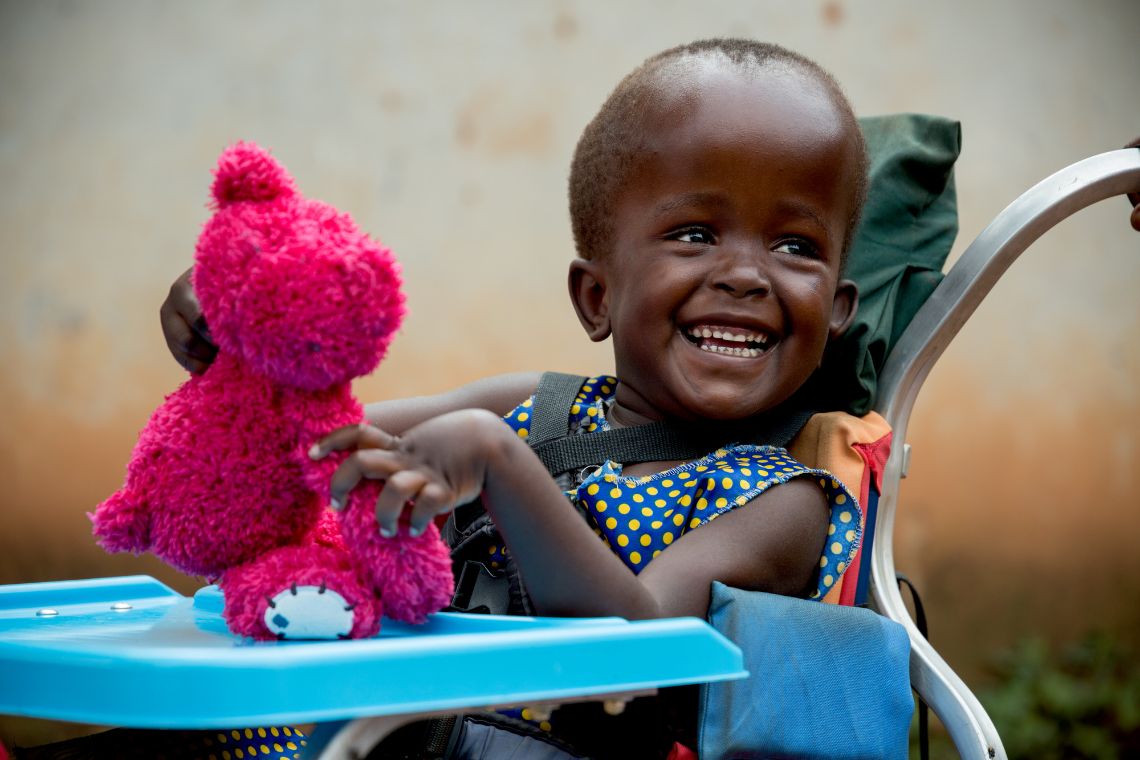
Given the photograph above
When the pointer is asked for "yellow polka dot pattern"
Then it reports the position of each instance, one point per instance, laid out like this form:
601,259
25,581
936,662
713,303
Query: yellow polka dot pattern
844,533
276,742
638,518
639,536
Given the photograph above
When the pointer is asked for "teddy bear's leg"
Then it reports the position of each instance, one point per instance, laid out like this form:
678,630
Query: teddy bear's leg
300,592
412,572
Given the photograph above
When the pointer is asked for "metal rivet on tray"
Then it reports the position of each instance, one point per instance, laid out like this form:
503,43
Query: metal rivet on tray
121,606
47,612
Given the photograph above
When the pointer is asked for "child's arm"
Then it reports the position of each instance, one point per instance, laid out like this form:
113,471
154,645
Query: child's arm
499,395
772,545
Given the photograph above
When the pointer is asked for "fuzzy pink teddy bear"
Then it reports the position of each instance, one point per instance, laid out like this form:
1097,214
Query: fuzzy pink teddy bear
220,484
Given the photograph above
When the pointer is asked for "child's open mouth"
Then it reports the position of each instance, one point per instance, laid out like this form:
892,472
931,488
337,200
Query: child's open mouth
731,341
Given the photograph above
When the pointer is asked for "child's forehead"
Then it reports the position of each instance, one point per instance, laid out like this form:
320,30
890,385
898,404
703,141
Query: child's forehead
732,97
730,125
761,138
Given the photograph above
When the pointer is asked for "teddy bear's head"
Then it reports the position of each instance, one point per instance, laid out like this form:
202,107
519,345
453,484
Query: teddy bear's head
289,284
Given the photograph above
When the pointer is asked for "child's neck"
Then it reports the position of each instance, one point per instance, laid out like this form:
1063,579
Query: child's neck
622,416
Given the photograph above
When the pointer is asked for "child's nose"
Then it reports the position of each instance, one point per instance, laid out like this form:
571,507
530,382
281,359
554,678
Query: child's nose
742,272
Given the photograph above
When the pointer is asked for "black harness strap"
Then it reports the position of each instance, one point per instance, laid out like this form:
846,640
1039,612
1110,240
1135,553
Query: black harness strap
655,442
555,394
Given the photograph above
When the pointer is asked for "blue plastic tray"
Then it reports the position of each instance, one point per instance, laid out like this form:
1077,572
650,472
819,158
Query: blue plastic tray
131,651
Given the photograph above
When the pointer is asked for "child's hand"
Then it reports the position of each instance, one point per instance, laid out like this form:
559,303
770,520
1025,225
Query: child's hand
184,327
432,468
1134,198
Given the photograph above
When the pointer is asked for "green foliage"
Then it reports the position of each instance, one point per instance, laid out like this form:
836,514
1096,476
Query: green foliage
1082,701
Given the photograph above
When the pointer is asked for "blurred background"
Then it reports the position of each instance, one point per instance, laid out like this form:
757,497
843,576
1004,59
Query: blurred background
446,129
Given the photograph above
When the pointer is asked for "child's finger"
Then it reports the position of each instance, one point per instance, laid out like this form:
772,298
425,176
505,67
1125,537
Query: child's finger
180,341
359,436
374,464
399,489
203,330
1134,198
433,499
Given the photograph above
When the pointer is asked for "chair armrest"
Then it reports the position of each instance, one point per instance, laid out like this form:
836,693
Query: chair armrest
934,325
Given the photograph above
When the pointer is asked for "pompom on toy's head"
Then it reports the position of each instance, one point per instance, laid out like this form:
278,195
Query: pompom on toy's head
290,284
246,172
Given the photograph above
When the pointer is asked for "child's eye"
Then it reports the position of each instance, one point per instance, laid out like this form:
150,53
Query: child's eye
797,247
698,235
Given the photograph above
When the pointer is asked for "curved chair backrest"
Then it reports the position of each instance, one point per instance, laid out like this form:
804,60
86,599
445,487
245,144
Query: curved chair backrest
919,347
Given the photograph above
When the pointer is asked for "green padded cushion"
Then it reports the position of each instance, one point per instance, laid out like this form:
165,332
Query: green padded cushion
909,223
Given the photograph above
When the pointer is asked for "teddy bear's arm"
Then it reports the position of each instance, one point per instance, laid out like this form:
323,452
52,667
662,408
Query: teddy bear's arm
122,523
317,417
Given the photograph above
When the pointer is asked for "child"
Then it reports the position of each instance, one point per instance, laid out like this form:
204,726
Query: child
713,199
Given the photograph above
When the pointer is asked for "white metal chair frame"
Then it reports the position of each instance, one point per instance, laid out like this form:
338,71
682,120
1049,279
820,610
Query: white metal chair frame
921,344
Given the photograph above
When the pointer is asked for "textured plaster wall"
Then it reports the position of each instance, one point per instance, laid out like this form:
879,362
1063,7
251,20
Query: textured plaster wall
446,128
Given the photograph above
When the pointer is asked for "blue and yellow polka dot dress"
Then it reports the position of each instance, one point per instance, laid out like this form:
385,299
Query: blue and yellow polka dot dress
639,518
269,742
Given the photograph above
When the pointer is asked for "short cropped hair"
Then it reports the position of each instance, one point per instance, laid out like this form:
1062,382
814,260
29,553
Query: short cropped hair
615,138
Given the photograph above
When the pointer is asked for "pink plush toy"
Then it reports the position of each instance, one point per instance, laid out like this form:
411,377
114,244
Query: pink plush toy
220,484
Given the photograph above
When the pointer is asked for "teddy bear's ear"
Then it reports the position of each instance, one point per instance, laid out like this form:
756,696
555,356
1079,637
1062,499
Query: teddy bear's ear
246,172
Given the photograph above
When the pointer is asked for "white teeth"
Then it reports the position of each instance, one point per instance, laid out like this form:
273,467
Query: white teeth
742,337
748,353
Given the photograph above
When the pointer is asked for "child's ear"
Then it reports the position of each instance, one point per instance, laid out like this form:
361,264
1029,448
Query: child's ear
843,308
588,294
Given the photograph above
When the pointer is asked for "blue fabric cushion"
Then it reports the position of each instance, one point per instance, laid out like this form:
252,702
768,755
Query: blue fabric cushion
826,681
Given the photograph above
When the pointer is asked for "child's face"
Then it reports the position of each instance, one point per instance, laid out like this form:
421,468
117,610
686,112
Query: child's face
732,225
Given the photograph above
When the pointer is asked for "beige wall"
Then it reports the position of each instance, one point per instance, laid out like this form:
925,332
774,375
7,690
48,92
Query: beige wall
446,129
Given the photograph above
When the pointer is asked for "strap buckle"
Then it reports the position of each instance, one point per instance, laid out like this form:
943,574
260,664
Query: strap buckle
481,591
